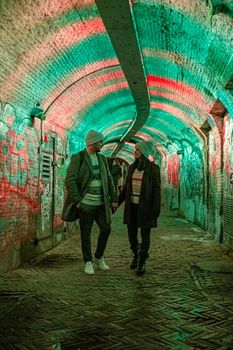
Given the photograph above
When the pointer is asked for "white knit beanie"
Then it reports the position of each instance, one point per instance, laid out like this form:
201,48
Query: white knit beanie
93,137
145,147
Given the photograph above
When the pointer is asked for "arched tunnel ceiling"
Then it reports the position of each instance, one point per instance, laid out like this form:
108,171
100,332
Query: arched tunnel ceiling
60,54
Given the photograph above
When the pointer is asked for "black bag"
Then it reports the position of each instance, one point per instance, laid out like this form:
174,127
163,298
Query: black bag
70,211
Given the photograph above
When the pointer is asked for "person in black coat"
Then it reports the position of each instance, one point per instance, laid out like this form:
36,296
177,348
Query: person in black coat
142,197
91,189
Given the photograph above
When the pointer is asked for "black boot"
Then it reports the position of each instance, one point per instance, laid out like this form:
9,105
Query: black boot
141,269
141,265
134,262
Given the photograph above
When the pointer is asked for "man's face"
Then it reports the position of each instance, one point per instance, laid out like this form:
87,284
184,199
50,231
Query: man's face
137,153
97,146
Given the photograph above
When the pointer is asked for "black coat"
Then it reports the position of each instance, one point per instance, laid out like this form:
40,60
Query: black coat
79,176
150,196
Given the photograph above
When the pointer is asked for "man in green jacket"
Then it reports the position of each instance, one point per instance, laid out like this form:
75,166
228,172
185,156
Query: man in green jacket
90,187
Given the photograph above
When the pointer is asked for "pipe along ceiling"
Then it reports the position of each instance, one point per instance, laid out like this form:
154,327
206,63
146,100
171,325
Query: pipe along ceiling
138,70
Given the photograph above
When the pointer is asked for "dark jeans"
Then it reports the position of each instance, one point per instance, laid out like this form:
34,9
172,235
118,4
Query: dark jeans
87,215
133,233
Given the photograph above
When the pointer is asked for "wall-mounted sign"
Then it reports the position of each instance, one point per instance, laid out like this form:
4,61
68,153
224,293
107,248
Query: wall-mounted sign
231,178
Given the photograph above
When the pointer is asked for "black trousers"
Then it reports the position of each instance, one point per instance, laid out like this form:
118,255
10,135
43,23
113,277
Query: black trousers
87,215
133,233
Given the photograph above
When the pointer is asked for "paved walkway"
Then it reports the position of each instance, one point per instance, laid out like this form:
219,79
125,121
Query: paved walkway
184,302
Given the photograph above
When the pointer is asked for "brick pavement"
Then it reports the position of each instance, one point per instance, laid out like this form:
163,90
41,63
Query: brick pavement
184,302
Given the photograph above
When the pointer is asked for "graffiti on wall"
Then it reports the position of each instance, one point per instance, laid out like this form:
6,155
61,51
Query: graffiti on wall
20,186
61,148
173,165
192,170
194,173
27,192
46,201
172,191
18,165
214,157
228,149
54,155
192,191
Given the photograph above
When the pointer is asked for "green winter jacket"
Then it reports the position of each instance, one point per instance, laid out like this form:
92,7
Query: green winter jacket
79,176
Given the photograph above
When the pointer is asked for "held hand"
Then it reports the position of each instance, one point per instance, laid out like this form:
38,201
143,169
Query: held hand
114,207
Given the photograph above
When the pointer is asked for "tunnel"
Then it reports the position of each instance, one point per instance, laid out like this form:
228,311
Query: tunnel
133,70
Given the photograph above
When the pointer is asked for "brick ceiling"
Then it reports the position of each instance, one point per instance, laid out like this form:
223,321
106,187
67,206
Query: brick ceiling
140,70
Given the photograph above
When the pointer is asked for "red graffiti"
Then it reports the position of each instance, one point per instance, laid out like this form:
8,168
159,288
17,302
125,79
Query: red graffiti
228,142
213,168
57,222
13,241
28,192
14,149
173,170
229,168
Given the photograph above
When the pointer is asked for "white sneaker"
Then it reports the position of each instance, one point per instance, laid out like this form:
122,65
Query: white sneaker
101,264
89,270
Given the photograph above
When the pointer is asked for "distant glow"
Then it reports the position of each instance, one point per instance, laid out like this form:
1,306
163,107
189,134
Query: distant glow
103,114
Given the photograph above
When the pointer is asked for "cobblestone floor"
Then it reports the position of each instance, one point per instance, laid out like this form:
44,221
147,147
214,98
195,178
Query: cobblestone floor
184,302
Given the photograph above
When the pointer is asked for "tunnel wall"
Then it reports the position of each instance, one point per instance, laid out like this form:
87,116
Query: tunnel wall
214,186
183,188
228,182
19,187
32,171
198,183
